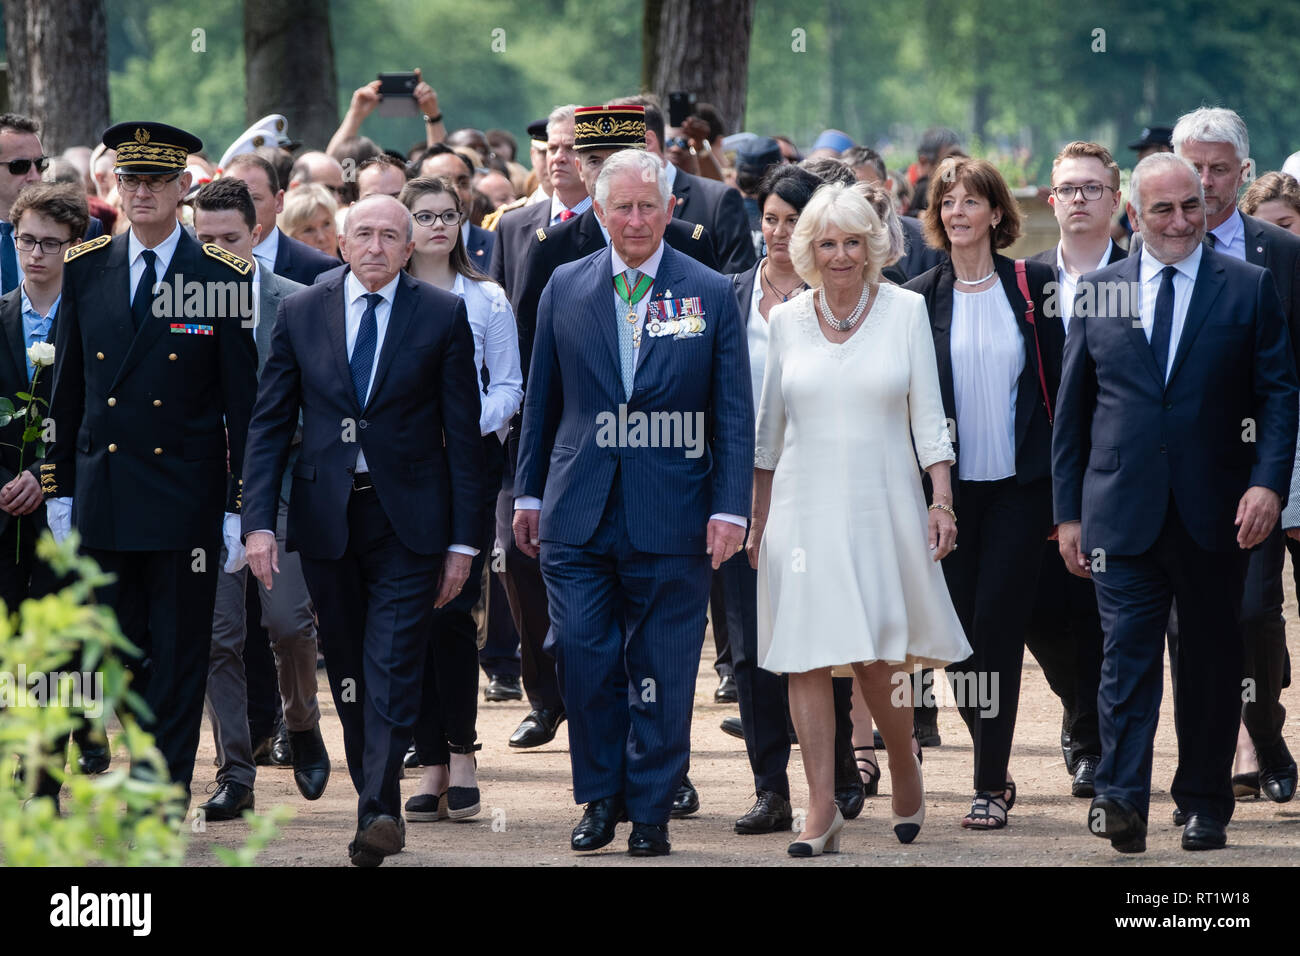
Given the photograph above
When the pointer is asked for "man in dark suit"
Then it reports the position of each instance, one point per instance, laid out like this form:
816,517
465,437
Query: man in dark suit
552,248
1216,142
48,219
286,257
625,531
1065,634
147,405
385,490
21,163
441,160
224,215
1158,482
706,202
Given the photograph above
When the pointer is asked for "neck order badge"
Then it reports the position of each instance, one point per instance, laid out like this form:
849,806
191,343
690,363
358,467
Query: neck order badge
632,296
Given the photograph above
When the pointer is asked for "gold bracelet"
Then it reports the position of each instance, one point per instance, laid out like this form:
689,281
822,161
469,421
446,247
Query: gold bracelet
938,507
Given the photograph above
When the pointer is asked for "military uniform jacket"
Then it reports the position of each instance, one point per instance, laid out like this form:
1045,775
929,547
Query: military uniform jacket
141,419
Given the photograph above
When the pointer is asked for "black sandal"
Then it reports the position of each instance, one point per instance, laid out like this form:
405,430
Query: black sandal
986,806
1010,794
869,771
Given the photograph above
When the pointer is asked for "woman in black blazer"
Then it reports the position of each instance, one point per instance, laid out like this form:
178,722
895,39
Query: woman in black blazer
999,357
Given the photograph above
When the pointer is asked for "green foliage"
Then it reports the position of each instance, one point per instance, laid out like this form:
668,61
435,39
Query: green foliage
119,818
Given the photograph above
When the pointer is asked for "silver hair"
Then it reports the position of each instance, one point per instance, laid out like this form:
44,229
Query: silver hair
561,114
644,164
1213,124
410,223
1157,162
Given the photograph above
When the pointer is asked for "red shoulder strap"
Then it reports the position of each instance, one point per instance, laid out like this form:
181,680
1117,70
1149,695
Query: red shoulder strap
1023,281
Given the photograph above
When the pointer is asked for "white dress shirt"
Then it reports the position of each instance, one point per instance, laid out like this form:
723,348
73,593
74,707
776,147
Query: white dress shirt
1230,237
354,294
164,251
496,343
757,332
617,267
557,207
1069,283
988,356
266,250
1184,280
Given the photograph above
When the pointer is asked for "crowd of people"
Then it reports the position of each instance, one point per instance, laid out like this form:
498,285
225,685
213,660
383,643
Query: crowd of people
459,416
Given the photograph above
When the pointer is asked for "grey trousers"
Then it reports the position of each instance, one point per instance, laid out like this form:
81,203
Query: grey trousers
289,620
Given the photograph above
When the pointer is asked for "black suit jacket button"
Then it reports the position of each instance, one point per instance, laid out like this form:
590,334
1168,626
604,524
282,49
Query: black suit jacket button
363,423
1162,449
1169,406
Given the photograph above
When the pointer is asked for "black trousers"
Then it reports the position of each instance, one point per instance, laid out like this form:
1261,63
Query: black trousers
526,593
375,605
1134,597
499,656
991,577
723,660
164,602
264,705
1265,666
449,690
1065,636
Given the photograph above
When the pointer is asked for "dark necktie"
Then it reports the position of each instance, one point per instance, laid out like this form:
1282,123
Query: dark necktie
363,350
1163,327
8,258
142,301
1209,237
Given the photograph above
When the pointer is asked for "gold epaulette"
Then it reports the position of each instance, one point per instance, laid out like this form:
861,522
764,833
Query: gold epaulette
491,220
99,242
541,234
214,251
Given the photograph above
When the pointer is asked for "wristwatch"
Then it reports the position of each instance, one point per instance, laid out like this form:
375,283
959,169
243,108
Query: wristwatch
433,119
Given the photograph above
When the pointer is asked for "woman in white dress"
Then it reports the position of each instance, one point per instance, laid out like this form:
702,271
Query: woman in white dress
445,730
846,549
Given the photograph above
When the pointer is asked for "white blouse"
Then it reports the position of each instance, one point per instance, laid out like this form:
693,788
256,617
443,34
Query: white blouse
496,345
988,355
757,333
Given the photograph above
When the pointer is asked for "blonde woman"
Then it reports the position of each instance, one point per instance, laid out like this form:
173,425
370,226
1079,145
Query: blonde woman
308,216
846,551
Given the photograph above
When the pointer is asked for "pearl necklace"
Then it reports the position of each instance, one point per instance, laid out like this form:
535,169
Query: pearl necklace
845,324
978,281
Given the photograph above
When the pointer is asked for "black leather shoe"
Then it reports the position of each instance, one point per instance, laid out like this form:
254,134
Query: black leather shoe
648,839
378,836
733,726
230,800
537,728
596,828
726,692
1118,821
1277,773
503,688
685,801
1246,785
94,759
1204,833
1180,818
282,747
926,730
262,750
770,814
850,794
412,759
1085,777
1071,764
311,762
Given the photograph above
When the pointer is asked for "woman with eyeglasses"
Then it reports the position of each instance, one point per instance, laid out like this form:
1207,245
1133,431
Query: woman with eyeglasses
445,733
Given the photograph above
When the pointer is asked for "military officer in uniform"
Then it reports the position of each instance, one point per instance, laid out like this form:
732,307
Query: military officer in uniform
154,368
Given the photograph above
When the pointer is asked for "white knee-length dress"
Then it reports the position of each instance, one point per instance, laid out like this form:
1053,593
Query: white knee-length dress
845,571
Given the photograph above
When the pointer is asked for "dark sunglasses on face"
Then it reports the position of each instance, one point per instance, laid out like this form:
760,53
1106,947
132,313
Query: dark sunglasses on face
19,167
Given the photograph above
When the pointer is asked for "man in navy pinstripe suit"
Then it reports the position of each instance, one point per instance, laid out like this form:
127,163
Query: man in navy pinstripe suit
635,469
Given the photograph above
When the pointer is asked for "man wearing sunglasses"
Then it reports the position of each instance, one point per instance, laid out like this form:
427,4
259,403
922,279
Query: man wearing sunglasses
21,164
149,403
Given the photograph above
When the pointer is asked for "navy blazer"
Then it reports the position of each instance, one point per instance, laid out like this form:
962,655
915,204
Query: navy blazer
419,429
1126,440
479,248
1033,429
721,210
575,390
300,262
13,379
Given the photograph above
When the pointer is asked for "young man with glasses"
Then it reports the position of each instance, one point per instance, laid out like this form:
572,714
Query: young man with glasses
21,164
1065,635
148,406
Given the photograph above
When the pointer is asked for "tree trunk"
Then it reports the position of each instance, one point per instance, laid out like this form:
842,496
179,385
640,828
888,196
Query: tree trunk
289,67
58,68
702,47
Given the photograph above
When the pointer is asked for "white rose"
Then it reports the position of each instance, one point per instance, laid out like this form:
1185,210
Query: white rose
41,354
